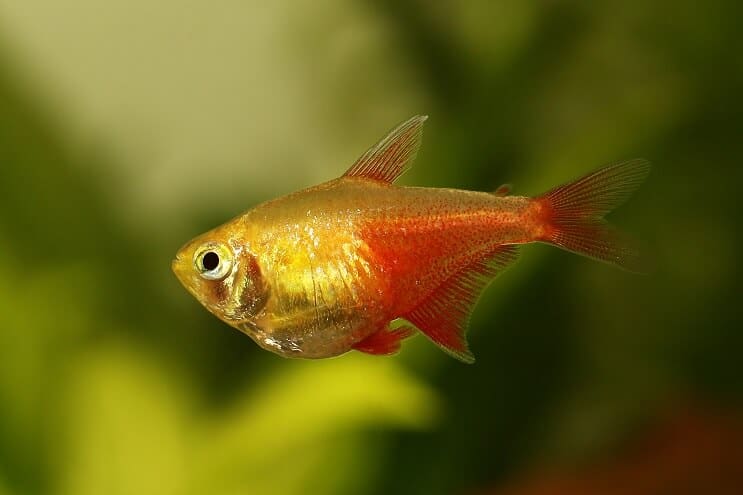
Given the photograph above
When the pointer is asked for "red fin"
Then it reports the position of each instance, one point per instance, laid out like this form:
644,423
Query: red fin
385,341
444,314
503,190
574,214
393,155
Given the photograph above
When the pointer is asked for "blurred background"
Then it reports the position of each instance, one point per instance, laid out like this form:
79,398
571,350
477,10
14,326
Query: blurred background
128,127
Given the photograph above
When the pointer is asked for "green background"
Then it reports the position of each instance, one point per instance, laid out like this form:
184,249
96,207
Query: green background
128,127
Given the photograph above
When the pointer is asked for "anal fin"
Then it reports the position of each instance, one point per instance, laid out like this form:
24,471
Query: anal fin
443,316
385,341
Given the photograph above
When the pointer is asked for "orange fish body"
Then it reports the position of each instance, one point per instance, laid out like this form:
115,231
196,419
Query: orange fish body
325,270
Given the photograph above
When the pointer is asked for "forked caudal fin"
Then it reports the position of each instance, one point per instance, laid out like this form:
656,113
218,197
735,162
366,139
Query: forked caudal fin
574,214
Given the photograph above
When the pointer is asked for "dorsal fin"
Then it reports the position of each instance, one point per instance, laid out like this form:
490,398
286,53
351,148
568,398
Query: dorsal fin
443,316
393,155
503,190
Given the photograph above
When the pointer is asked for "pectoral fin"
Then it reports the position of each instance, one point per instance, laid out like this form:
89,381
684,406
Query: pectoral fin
385,341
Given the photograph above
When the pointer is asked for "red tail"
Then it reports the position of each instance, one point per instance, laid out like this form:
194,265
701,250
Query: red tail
574,214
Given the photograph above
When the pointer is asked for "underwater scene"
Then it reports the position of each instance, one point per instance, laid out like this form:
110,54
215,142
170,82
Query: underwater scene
128,128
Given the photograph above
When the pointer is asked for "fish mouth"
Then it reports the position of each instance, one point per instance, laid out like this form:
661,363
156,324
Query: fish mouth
178,269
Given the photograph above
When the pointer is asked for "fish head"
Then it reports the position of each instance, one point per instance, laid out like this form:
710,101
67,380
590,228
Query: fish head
221,272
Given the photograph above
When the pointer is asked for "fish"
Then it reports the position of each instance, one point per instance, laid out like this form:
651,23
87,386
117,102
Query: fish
359,263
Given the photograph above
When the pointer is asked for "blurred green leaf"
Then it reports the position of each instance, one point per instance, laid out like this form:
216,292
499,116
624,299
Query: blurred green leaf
127,415
126,427
307,405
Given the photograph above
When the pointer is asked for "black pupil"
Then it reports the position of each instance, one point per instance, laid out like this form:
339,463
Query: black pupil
210,261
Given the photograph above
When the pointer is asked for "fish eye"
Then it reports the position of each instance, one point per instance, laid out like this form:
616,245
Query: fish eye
213,261
210,261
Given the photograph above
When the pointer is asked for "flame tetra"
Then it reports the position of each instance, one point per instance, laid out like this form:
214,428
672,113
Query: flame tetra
325,270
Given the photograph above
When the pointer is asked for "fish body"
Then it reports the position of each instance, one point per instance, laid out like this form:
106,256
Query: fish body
327,269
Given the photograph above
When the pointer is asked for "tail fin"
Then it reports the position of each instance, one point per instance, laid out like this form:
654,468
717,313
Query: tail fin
574,214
